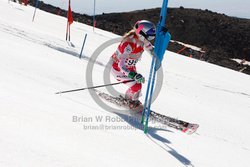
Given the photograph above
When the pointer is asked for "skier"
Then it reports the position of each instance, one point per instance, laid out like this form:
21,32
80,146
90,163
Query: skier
128,54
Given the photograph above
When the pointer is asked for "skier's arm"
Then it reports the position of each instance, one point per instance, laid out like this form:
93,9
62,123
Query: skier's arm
122,65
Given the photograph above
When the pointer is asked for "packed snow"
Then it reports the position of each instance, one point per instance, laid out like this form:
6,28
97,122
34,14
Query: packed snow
39,128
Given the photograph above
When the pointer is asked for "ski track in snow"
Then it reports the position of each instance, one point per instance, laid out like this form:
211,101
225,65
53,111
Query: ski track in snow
32,37
229,91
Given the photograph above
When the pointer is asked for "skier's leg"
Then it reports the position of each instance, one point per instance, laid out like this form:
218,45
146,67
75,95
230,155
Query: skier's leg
134,91
133,94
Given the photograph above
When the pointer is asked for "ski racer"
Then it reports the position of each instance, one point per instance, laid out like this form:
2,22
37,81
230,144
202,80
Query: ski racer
128,54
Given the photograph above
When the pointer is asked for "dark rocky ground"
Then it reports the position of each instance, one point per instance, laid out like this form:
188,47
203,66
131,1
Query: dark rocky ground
220,36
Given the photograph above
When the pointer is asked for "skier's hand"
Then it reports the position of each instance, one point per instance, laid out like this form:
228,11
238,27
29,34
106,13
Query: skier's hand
137,77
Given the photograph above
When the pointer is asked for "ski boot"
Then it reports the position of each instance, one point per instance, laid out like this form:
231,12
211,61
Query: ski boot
134,103
135,106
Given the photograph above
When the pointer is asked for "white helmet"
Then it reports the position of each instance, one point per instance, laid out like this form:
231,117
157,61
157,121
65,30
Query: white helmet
146,29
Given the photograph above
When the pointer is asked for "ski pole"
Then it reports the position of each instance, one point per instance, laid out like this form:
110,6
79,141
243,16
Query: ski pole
93,87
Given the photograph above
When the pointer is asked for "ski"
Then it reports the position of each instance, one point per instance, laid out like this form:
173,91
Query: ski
183,126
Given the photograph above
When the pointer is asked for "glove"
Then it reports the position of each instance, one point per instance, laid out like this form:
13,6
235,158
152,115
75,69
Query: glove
137,77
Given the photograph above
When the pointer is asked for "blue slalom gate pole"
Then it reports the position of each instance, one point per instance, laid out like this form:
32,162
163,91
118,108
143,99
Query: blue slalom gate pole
83,45
37,2
94,21
149,94
150,99
148,89
161,44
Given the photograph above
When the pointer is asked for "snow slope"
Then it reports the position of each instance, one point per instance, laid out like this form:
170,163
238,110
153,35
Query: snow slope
37,127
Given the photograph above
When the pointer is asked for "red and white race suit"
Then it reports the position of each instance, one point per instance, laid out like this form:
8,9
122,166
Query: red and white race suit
124,61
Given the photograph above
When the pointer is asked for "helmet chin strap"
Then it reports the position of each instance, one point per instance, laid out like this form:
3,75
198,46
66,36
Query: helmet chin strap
141,37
